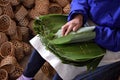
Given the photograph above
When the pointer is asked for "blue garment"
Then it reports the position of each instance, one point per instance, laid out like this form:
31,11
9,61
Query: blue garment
106,14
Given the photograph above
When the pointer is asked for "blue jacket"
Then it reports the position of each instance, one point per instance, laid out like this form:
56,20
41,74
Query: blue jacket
106,14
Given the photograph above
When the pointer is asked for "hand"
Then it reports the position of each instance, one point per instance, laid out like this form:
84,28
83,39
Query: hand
72,25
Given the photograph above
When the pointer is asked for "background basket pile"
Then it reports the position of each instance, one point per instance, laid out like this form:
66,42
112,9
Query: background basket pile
16,29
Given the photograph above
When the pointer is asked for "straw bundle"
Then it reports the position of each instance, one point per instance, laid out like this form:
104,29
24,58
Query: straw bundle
28,3
6,49
5,22
3,74
21,13
31,27
8,63
14,2
24,22
17,35
12,29
66,9
55,9
27,48
25,33
62,3
42,6
4,2
8,10
3,38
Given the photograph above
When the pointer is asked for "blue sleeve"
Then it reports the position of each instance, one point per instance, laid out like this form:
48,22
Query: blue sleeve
78,7
108,38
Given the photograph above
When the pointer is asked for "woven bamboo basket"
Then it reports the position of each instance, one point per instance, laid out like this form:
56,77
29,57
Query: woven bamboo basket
66,9
17,35
24,22
27,48
21,13
31,27
8,63
62,3
55,9
48,70
53,1
6,49
17,72
12,29
3,38
1,11
14,2
28,3
8,10
5,23
25,34
19,52
42,6
34,14
4,2
3,74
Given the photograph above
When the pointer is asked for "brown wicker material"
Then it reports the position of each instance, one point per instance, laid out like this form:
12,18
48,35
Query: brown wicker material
8,10
19,53
24,22
55,9
8,63
28,3
53,1
34,14
66,9
62,3
12,29
27,48
21,13
14,2
3,38
17,35
69,1
4,2
31,27
1,11
42,6
6,49
5,22
48,70
3,74
25,33
16,73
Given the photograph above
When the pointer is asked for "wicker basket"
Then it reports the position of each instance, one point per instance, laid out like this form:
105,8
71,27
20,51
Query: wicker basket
55,9
62,3
24,22
12,29
8,10
28,3
48,70
42,6
17,72
4,2
3,38
14,2
34,14
8,63
1,11
3,74
6,49
27,48
5,22
19,52
17,35
66,9
21,13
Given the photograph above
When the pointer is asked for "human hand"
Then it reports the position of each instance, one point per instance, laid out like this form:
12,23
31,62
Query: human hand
72,25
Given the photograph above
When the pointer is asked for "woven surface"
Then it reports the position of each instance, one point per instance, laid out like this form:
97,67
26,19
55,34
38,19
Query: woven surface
4,2
3,74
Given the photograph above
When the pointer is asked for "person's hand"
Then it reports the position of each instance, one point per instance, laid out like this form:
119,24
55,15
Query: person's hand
72,25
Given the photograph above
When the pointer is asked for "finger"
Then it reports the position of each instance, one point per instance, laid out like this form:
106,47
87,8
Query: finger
68,30
64,28
76,28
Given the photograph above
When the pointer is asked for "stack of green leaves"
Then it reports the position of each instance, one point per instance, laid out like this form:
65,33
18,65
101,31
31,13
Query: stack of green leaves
77,48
